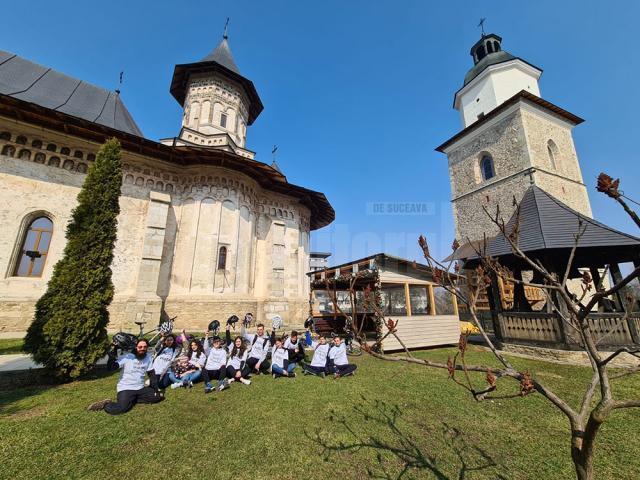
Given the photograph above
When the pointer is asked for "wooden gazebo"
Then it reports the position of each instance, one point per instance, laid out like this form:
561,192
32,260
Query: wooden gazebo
547,231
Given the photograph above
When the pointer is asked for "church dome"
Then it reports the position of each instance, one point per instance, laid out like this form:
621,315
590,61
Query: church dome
490,59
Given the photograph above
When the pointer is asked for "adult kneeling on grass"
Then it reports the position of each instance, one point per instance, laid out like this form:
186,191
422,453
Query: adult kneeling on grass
131,388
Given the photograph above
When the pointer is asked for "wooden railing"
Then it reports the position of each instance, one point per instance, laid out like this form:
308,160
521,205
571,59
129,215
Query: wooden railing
609,329
531,327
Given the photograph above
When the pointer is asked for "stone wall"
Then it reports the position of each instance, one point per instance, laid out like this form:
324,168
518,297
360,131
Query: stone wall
517,141
172,223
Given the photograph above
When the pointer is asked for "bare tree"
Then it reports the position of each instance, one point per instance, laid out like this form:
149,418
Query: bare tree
598,402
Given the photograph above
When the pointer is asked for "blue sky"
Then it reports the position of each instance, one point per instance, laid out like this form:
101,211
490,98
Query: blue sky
358,94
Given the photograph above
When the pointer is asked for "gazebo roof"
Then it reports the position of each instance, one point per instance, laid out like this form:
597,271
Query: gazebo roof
547,228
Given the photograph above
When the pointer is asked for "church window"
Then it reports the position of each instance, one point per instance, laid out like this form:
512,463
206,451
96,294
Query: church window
67,165
52,147
36,144
54,161
35,247
39,158
78,154
222,258
496,46
21,140
65,151
5,136
489,47
552,152
25,154
8,150
223,120
486,166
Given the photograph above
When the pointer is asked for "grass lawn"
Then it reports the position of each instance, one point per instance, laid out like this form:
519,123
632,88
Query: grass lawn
390,419
10,345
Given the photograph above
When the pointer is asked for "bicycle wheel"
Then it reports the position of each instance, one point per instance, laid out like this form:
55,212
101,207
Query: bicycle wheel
354,349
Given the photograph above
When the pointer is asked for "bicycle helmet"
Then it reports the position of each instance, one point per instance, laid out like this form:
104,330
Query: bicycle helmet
166,327
214,327
308,323
276,322
232,320
248,318
125,341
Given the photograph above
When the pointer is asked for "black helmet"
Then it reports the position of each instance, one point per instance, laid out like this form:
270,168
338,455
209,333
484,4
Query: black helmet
214,326
308,323
125,341
232,320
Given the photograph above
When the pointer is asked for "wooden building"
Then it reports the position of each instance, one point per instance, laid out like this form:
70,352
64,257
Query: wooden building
426,313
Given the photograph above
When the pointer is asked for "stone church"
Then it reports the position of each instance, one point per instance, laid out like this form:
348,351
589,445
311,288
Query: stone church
205,230
511,139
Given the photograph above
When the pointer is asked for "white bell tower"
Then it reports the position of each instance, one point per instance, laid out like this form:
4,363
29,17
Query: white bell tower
495,77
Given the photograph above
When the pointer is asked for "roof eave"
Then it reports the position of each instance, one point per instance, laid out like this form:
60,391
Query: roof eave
521,95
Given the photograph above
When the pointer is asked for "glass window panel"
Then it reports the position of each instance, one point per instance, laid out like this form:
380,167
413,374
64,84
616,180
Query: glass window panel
322,302
38,264
23,266
43,223
344,301
444,301
419,300
30,240
394,300
45,240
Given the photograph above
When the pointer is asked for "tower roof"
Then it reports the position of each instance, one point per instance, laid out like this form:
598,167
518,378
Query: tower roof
220,61
222,55
486,52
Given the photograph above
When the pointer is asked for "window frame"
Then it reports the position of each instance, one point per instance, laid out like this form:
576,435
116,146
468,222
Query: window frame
19,249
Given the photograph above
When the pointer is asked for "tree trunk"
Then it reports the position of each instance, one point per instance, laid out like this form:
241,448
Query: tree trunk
583,464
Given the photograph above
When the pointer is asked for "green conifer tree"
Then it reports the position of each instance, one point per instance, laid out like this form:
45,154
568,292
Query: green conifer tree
68,334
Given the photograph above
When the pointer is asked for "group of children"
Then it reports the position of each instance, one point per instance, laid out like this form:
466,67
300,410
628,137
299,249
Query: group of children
219,361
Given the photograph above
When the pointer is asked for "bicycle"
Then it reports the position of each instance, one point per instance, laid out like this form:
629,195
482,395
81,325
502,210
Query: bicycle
126,341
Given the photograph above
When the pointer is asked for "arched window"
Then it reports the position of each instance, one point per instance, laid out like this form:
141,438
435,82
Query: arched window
78,154
54,161
39,158
486,167
5,136
65,151
36,144
52,147
553,152
480,52
222,258
223,120
35,246
496,46
81,168
8,150
21,140
25,154
68,165
489,47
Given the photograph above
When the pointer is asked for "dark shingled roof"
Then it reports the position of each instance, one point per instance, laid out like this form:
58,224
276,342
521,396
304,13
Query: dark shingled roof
33,83
222,55
547,224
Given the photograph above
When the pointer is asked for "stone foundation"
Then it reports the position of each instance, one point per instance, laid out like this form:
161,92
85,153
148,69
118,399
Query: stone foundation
571,357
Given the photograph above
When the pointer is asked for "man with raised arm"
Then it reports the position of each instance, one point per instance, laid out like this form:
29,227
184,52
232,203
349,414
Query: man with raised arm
131,388
258,347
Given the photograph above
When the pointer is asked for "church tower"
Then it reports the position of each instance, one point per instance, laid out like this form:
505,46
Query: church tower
511,139
219,103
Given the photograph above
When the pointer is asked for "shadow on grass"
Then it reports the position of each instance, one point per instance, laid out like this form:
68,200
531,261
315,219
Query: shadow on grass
391,440
17,386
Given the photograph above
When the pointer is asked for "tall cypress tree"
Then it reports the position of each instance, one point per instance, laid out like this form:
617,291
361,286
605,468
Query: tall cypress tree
68,334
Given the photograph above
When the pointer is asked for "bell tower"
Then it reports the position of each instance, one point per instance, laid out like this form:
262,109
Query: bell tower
219,102
511,139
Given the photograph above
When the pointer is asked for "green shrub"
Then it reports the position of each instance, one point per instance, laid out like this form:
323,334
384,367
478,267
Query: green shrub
68,334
